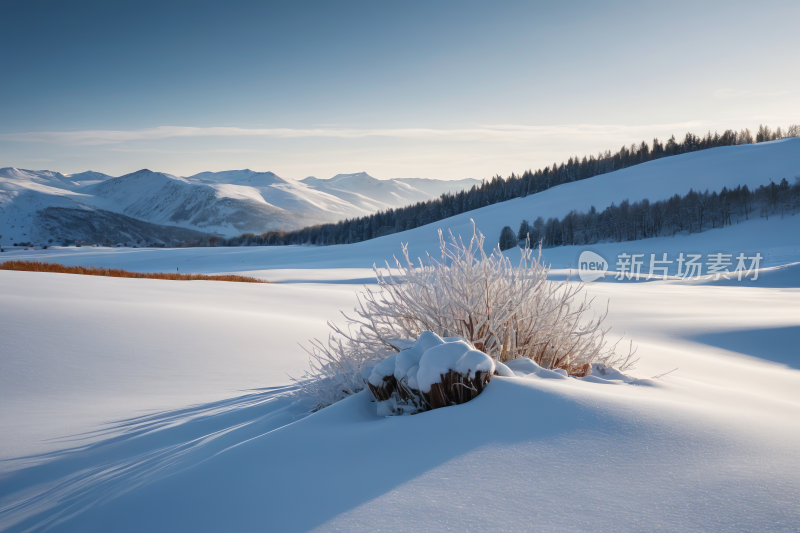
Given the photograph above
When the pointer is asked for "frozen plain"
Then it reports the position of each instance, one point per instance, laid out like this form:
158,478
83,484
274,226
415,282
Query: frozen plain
133,405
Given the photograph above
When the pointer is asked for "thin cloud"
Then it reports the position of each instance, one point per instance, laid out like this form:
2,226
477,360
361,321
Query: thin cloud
208,151
733,94
502,132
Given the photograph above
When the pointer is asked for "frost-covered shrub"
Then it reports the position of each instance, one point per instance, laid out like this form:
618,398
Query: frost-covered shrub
453,373
431,373
341,366
502,309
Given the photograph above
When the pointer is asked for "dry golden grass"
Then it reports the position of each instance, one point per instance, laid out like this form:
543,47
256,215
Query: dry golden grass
36,266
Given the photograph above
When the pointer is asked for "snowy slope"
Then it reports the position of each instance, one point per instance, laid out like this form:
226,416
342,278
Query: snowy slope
150,197
45,206
390,193
52,179
24,192
777,240
165,199
291,195
751,165
89,177
373,195
436,188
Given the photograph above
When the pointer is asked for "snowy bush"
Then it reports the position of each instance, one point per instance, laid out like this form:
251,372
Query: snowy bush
431,373
504,310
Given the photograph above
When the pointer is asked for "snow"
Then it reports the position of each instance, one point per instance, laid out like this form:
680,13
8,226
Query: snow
709,447
386,193
438,187
382,370
290,195
150,405
409,358
77,351
411,377
144,395
503,370
227,203
457,356
422,363
731,166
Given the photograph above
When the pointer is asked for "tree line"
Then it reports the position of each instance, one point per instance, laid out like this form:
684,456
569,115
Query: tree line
691,213
499,189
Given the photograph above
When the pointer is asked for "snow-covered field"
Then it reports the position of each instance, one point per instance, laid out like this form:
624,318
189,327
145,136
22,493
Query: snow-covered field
151,405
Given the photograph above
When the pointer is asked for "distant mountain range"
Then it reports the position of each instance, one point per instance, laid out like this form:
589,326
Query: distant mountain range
147,207
373,195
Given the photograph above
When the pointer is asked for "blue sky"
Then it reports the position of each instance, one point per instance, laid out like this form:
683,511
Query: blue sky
397,89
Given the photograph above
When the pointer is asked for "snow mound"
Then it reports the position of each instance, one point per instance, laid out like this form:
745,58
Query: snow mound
602,374
402,382
382,371
407,359
457,356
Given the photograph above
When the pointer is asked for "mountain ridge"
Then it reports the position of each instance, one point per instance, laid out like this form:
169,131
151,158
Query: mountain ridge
225,203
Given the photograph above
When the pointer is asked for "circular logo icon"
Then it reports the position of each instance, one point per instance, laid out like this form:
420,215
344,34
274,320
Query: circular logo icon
591,266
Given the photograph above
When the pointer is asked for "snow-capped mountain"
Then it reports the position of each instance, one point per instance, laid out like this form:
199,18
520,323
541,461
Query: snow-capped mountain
362,189
25,193
33,178
372,194
89,177
294,196
28,199
39,205
161,198
436,188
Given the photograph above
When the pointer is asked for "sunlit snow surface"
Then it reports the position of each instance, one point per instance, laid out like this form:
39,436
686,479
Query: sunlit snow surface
122,395
151,405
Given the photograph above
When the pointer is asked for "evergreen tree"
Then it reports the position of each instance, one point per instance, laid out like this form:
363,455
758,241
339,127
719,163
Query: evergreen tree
507,238
524,230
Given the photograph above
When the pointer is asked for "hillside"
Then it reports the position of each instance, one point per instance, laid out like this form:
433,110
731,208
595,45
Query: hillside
286,194
436,188
24,193
362,189
92,225
711,169
389,193
164,199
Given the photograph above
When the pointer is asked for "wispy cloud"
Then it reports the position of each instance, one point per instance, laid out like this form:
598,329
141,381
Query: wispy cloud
206,151
501,132
734,94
